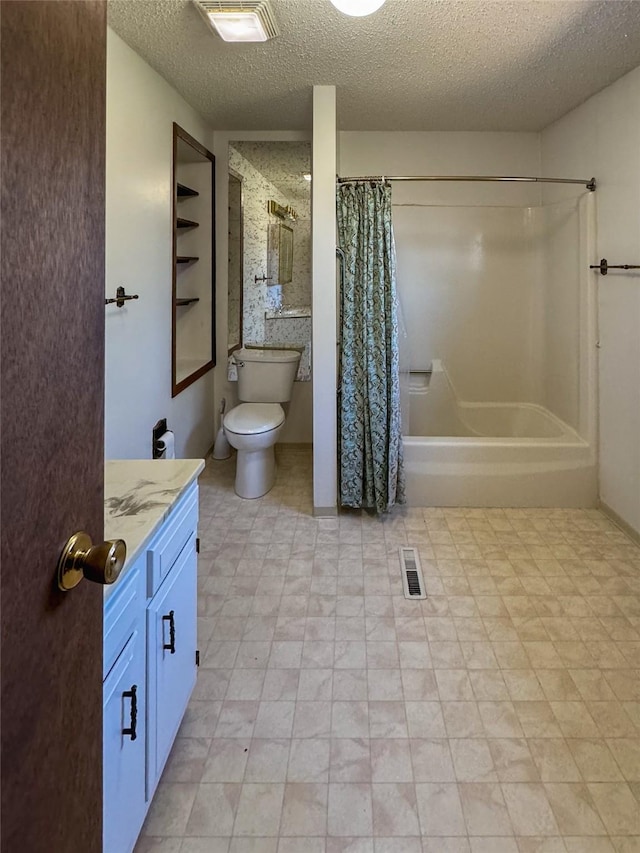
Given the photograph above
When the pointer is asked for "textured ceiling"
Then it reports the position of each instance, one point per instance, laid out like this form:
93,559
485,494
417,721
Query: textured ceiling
414,65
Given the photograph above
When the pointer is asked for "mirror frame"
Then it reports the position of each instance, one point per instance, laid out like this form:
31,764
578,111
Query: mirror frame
285,254
231,349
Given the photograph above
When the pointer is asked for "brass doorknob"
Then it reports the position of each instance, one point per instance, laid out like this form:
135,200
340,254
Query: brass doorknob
82,559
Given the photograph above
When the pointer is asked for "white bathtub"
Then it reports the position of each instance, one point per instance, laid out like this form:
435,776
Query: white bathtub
491,454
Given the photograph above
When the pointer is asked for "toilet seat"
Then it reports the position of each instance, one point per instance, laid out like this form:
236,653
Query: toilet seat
254,418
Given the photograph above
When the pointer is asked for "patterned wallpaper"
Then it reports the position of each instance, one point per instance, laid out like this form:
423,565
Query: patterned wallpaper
263,296
283,164
292,331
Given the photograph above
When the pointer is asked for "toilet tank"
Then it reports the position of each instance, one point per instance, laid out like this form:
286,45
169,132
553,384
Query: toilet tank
266,375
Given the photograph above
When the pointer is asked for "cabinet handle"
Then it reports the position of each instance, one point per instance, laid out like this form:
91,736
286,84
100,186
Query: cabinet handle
133,695
171,645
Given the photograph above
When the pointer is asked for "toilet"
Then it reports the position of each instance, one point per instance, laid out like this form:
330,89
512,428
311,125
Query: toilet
265,379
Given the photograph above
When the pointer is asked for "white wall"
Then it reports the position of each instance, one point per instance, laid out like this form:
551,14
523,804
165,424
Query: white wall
141,107
467,278
324,302
444,153
602,137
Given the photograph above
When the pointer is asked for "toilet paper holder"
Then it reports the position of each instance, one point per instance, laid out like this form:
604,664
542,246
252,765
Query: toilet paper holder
158,431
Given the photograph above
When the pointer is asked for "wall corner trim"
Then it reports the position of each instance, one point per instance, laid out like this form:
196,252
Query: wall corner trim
613,516
324,297
325,511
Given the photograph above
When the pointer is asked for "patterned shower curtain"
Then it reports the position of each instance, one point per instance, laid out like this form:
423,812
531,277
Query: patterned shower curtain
370,435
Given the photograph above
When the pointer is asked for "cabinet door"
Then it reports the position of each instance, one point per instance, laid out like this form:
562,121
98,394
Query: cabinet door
124,804
171,658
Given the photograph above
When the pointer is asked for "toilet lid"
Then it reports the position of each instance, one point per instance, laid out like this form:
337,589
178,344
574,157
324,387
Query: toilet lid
252,418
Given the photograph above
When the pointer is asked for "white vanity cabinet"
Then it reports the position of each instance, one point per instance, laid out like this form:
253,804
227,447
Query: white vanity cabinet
171,658
124,713
150,620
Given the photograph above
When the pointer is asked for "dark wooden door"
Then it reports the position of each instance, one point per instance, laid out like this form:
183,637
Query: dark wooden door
52,348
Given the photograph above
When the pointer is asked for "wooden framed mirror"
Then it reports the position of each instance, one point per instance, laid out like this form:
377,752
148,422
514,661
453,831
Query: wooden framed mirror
193,275
279,253
285,253
236,262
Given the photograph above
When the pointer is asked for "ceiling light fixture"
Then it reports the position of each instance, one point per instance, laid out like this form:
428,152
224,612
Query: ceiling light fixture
239,20
358,8
307,176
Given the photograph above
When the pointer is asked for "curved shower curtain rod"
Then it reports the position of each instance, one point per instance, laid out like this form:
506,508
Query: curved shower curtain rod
590,183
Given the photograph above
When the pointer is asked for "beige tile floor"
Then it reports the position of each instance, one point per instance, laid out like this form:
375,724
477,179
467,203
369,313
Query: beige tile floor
501,715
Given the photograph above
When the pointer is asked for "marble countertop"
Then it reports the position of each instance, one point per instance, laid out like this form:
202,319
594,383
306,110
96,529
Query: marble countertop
138,496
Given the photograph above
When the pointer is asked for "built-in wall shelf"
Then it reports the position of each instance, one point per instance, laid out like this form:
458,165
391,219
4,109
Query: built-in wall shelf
193,270
186,192
186,223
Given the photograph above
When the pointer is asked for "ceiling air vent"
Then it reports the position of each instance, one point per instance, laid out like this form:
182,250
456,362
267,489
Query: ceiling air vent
412,580
239,20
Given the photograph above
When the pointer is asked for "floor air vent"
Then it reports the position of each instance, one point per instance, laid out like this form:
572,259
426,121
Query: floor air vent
412,580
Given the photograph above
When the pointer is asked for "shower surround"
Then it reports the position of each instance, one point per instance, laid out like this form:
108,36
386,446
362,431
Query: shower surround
525,434
495,286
